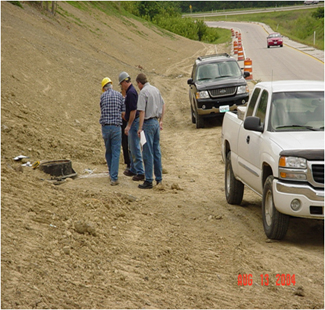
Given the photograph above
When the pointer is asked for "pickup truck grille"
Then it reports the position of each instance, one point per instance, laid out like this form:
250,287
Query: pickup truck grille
222,92
318,173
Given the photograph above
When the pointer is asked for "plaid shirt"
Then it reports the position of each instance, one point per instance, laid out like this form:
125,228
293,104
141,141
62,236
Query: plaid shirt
111,107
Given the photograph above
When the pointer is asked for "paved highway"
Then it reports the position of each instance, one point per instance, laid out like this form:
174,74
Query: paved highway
274,63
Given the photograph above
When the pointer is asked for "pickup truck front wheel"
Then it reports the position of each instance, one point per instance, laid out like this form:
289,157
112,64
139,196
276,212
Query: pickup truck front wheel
275,223
234,189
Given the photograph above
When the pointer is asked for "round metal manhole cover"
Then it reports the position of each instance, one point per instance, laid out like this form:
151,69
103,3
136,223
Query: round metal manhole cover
59,169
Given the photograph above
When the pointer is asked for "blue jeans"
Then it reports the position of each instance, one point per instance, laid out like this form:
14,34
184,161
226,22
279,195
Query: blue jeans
136,165
151,150
112,136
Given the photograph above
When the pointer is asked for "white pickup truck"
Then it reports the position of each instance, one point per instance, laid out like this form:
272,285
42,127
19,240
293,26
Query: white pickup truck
275,146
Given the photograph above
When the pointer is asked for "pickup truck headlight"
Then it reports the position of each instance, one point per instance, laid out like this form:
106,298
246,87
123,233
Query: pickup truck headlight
202,94
293,168
242,89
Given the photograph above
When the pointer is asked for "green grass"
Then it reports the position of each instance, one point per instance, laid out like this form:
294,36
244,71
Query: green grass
224,36
16,3
71,17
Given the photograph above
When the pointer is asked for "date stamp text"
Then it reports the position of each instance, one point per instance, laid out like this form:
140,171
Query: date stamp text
264,279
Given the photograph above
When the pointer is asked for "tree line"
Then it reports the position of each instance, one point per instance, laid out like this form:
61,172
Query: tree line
205,6
168,14
150,9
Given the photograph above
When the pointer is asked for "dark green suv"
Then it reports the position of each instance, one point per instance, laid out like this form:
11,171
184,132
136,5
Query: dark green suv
217,85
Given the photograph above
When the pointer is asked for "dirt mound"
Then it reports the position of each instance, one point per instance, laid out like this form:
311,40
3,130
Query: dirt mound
81,243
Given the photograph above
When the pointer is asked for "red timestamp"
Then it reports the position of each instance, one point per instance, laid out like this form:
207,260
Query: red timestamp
280,279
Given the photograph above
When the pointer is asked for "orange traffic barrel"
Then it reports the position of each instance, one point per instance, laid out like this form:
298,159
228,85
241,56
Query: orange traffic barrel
232,32
236,34
240,53
235,47
248,66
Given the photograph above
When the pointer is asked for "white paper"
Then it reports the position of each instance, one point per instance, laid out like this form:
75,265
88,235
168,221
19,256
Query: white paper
28,164
143,139
20,157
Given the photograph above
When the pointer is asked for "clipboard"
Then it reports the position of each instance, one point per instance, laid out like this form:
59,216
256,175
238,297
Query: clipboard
143,139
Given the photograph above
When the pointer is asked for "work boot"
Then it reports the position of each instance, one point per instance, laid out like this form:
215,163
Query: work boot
138,177
128,173
145,185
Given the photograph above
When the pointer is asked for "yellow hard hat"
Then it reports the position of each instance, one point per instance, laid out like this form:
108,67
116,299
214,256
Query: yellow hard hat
105,81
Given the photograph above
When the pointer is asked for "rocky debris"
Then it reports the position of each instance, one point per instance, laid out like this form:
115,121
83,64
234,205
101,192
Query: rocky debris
176,186
299,291
66,249
160,187
83,227
127,197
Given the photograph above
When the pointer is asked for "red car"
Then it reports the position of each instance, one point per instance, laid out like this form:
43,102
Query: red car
274,39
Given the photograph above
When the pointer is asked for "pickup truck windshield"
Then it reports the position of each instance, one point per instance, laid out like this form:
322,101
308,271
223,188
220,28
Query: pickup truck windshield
218,70
297,111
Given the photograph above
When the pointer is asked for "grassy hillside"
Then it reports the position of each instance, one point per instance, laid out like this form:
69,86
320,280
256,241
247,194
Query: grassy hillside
304,26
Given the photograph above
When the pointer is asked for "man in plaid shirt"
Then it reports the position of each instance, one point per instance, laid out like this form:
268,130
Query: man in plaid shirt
111,107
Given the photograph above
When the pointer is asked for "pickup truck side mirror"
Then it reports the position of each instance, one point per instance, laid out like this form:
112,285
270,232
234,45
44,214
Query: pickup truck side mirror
246,74
253,123
190,81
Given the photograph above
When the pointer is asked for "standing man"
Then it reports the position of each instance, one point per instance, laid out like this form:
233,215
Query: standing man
151,106
125,145
132,118
111,107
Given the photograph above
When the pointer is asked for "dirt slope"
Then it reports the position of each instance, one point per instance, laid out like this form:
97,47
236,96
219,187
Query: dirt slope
85,244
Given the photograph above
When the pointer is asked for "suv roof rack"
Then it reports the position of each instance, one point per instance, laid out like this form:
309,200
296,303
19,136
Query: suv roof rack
213,55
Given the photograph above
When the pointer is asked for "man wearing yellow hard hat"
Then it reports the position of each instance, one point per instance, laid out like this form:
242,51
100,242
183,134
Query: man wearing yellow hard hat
111,108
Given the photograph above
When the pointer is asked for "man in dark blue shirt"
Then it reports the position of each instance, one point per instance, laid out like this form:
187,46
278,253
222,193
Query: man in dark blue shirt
111,107
132,117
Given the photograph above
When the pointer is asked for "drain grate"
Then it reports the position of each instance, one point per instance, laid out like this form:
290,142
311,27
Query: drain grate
58,169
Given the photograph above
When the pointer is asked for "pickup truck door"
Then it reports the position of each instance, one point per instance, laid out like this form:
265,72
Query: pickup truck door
250,145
